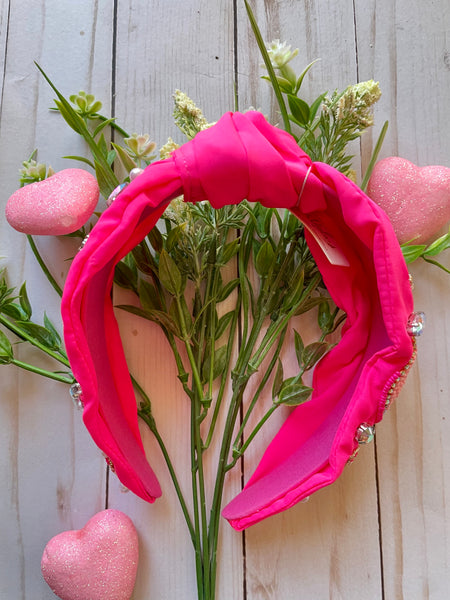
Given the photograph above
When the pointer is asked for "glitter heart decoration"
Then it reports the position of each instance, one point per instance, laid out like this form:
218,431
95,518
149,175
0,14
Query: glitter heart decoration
58,205
416,199
97,562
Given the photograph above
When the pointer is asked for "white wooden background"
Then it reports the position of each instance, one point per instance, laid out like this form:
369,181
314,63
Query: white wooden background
381,532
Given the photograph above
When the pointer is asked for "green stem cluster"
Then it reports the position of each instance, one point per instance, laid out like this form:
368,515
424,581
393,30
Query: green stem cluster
287,278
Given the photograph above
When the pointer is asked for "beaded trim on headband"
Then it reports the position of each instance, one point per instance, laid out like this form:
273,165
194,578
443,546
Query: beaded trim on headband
356,250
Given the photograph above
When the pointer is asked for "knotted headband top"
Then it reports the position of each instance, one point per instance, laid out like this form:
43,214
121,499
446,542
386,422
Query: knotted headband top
355,248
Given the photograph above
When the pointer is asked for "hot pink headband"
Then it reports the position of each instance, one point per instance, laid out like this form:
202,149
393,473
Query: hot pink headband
356,250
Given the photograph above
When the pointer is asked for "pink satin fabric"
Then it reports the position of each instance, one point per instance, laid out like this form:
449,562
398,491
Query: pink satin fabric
354,245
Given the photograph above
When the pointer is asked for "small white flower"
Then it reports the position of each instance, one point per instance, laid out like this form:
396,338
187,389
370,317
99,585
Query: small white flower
280,53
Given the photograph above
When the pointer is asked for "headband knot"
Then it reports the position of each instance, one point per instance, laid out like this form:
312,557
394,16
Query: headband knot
242,157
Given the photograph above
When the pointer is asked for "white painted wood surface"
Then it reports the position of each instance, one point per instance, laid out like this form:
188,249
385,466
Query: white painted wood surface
381,532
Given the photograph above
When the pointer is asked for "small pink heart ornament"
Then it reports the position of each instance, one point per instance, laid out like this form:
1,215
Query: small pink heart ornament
416,199
98,562
58,205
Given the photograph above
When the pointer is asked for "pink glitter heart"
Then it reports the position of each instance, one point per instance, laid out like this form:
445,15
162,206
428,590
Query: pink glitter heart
416,199
58,205
96,562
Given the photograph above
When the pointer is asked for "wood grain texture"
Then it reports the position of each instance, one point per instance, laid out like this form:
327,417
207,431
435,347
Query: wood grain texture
53,476
382,531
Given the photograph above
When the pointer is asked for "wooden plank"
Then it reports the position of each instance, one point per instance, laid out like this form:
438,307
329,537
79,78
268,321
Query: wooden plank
162,47
329,546
53,476
406,48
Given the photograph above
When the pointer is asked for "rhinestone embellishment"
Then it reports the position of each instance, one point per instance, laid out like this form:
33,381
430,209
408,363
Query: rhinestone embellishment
83,243
116,191
76,394
135,173
416,323
365,433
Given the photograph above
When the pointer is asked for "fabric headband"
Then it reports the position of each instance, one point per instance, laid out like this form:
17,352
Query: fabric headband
353,243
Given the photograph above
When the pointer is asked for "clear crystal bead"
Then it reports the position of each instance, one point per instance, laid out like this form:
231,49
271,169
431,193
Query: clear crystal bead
83,243
135,173
116,191
76,394
365,433
416,323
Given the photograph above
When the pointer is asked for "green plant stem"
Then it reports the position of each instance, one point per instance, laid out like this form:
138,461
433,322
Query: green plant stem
146,416
195,500
436,264
43,266
261,386
198,480
21,333
374,157
273,333
219,398
243,448
50,374
112,124
269,67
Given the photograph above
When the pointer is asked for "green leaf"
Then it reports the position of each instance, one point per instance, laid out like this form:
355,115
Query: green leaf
41,334
299,347
156,239
81,159
102,126
293,394
111,157
6,351
264,258
324,316
103,180
125,277
13,310
74,120
313,353
24,301
296,289
169,274
299,108
125,158
302,75
438,246
71,117
227,289
157,316
229,251
144,259
412,252
219,366
316,105
308,304
51,328
285,84
374,157
102,146
278,380
223,323
174,235
148,296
